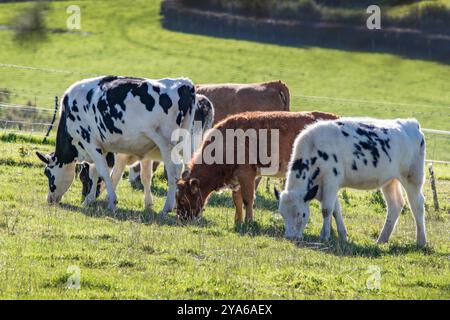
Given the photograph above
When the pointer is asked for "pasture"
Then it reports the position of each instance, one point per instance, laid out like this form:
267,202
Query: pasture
135,254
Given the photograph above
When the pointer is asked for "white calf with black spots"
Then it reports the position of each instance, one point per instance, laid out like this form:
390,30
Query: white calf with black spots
359,153
132,116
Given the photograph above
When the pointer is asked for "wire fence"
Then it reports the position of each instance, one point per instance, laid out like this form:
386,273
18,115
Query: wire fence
31,118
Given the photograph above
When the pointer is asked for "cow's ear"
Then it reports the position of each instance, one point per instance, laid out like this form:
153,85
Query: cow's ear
185,174
194,184
311,193
43,157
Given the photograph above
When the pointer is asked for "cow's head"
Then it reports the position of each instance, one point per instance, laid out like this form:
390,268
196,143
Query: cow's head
294,208
60,176
189,198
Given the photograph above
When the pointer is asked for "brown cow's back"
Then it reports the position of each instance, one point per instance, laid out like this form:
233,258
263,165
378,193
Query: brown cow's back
289,125
229,99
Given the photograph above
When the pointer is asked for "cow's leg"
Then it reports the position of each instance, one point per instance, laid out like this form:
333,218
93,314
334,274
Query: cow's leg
119,168
93,176
146,177
328,201
342,231
417,204
392,193
247,182
173,169
237,199
102,169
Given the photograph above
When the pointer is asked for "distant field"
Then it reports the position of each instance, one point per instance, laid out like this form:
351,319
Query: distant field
137,255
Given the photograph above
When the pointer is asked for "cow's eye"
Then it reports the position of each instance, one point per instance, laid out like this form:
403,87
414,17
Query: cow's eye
304,215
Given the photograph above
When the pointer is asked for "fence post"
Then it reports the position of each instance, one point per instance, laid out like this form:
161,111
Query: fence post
53,120
433,186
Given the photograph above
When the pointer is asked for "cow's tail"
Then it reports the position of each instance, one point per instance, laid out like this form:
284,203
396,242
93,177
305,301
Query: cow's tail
284,96
209,117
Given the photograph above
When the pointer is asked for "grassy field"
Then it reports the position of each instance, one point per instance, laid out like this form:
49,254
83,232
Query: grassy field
135,254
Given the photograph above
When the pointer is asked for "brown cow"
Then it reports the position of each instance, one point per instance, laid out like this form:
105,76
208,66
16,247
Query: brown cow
200,180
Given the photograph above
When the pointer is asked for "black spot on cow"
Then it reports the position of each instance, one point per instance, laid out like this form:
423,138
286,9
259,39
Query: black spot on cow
106,80
51,180
367,126
165,102
89,95
315,174
323,155
116,91
339,123
141,91
156,89
110,159
299,166
187,98
65,151
99,150
384,143
365,161
335,158
335,171
70,115
313,160
372,141
108,115
345,133
357,151
78,118
85,135
371,146
422,142
81,145
74,106
354,167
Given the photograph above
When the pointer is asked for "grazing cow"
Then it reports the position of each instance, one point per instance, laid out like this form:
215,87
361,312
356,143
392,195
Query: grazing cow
360,153
202,179
234,98
204,114
120,115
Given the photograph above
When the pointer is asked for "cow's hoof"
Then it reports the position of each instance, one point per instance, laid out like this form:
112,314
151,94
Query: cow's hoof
87,202
343,236
112,206
148,204
324,237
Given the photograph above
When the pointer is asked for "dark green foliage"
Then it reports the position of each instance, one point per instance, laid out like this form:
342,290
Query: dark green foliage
29,24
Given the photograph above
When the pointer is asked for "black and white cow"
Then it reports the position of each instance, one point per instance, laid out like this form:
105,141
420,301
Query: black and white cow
356,153
142,170
133,116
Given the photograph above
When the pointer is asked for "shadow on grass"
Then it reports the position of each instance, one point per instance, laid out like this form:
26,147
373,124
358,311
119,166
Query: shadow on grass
147,216
335,246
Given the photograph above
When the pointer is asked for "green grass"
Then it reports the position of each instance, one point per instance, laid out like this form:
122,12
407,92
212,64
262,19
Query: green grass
137,255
